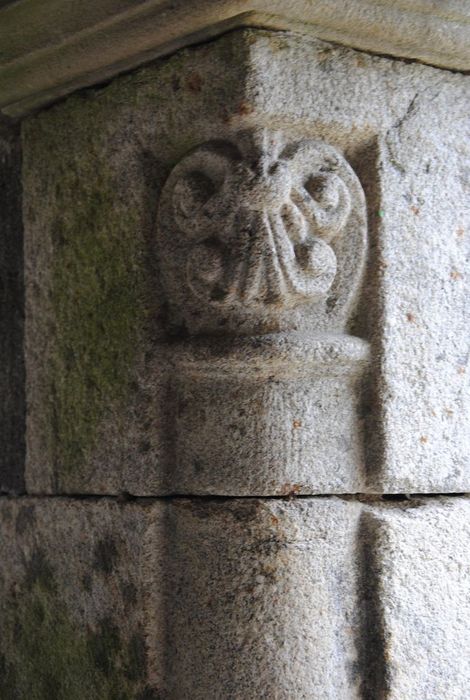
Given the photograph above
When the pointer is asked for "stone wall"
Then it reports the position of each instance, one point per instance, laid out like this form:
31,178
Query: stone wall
246,381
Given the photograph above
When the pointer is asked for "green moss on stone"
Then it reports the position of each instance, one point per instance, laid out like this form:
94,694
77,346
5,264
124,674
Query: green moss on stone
45,657
95,282
90,210
95,293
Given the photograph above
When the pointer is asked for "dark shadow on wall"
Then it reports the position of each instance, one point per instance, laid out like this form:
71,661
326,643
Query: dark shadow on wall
369,320
12,371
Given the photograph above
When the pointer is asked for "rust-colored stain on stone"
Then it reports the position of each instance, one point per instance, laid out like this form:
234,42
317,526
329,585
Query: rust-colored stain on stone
290,490
245,108
194,82
456,275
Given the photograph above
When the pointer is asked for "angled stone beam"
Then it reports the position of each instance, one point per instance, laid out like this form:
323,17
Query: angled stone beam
49,49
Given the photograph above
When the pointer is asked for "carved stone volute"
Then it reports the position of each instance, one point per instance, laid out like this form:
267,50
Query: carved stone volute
262,233
262,242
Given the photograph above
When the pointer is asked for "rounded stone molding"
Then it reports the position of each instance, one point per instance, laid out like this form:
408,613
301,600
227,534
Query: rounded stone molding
269,415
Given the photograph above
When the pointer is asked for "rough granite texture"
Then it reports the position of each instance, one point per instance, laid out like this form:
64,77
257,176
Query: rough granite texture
282,352
100,415
73,599
424,597
317,598
50,49
262,233
248,410
266,600
97,398
421,329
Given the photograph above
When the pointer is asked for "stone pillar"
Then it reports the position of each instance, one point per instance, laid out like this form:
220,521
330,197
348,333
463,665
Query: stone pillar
247,403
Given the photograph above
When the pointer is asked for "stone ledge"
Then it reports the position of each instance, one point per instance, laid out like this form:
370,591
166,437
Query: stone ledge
51,48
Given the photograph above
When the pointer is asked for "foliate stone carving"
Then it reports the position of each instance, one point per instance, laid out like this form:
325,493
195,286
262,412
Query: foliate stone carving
262,241
254,229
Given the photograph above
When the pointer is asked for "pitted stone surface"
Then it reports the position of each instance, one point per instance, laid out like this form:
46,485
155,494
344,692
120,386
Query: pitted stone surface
73,592
249,409
266,600
320,598
262,233
423,556
82,213
423,293
236,599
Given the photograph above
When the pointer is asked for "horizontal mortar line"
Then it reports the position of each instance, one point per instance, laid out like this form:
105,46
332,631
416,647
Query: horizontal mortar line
129,498
389,56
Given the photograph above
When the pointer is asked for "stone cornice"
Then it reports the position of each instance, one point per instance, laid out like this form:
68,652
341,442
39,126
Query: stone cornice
48,48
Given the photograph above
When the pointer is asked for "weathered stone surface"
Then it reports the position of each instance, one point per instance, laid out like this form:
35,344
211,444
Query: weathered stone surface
262,243
277,414
313,598
262,233
73,591
49,50
266,599
93,168
12,375
422,554
101,418
320,598
422,313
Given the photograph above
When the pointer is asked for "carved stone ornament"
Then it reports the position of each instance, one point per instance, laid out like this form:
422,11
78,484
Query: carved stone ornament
262,243
257,232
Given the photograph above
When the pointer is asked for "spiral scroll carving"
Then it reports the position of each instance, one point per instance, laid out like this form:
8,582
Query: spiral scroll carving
249,230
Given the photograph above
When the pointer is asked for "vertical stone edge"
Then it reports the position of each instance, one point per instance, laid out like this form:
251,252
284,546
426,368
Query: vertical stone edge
12,369
422,550
372,638
367,166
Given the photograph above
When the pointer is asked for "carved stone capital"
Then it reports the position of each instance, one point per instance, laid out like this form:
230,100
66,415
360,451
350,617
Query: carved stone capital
262,233
262,241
